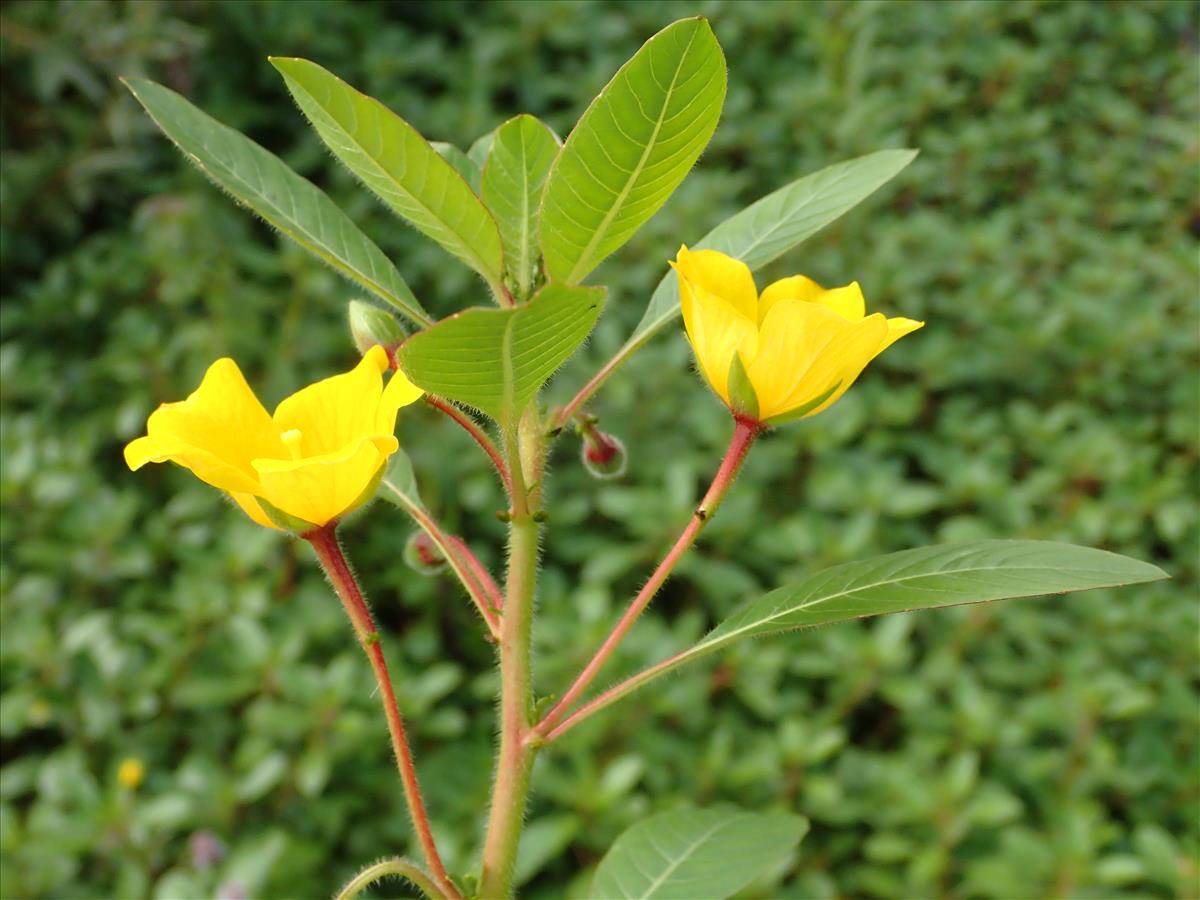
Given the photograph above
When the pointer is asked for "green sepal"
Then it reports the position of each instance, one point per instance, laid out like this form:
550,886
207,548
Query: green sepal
801,411
742,398
286,521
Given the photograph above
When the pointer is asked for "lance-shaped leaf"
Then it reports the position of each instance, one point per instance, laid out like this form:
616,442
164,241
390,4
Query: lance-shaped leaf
686,854
263,182
463,164
397,163
517,165
496,360
769,227
925,578
632,148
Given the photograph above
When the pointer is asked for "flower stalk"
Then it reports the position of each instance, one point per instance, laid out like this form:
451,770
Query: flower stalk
744,433
325,544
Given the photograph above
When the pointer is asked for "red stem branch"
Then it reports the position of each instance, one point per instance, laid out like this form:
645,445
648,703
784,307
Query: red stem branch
325,543
471,427
563,416
744,434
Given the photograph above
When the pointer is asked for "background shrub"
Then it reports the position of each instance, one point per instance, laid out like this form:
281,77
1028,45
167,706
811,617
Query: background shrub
1047,233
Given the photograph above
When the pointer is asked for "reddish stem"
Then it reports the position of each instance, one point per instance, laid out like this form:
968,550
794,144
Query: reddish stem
744,434
563,416
481,587
478,434
329,551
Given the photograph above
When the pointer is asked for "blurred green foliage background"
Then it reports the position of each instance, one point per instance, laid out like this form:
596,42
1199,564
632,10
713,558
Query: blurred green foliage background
1048,235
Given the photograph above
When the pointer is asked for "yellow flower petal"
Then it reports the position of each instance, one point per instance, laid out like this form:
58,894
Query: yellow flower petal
215,432
849,356
717,331
720,275
249,505
898,327
847,302
321,488
399,392
797,287
334,412
806,349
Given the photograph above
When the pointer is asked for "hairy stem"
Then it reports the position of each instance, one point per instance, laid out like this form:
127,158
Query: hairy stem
563,416
514,759
475,578
471,427
612,695
325,543
401,868
744,433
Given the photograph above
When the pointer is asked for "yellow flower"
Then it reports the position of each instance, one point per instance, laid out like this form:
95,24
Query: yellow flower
787,354
317,458
130,772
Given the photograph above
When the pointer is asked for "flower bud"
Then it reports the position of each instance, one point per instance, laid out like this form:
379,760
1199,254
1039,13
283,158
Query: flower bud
603,454
423,555
370,325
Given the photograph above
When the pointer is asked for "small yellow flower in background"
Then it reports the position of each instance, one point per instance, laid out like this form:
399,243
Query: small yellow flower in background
787,354
317,458
130,772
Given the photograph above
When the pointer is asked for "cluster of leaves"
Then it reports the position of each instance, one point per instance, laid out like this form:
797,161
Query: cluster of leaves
1046,232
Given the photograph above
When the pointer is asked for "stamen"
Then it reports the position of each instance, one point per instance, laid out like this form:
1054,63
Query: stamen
291,440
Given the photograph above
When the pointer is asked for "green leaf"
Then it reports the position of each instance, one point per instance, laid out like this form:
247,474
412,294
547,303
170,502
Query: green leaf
925,578
478,152
496,360
632,148
931,577
263,182
694,854
397,163
774,224
520,159
463,164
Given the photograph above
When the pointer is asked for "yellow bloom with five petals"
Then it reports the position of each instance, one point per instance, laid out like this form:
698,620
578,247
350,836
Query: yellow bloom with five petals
789,353
317,458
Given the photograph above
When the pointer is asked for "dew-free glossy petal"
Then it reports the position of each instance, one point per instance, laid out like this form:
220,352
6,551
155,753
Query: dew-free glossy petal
794,287
321,488
336,411
216,432
720,275
897,328
398,392
848,302
717,331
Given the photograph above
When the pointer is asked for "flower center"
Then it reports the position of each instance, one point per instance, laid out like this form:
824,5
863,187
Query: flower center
291,440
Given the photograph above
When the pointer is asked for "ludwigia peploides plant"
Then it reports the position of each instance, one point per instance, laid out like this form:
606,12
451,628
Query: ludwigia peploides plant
534,216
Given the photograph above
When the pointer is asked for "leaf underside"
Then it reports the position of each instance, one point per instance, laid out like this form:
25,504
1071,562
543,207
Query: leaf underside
263,182
392,158
496,360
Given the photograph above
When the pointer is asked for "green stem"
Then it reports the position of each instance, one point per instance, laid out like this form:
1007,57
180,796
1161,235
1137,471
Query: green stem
401,868
514,761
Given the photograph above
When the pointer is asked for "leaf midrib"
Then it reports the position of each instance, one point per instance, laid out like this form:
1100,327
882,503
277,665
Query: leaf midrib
312,240
599,234
731,635
485,269
649,892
